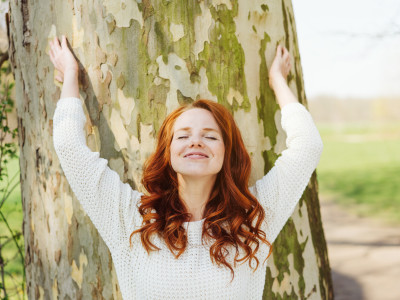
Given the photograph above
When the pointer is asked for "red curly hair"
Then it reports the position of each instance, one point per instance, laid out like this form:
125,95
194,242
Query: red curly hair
230,201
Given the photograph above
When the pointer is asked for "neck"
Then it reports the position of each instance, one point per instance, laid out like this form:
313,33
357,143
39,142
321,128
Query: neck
195,193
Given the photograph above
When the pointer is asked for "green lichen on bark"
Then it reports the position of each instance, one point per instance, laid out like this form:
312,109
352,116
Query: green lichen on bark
146,8
297,65
264,7
181,12
269,295
266,103
318,238
287,243
224,58
311,193
287,17
183,99
285,25
148,43
139,80
167,13
266,107
269,157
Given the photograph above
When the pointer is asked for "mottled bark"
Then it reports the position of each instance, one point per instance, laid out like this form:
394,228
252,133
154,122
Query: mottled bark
139,61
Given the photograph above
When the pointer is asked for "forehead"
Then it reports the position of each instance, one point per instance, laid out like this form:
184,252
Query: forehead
196,118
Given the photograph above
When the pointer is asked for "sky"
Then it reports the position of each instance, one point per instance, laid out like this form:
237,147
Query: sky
340,52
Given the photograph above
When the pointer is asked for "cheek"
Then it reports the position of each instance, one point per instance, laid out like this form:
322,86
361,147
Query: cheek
221,152
222,148
174,150
172,156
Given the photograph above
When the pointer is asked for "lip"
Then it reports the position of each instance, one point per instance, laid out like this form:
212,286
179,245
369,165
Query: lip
197,155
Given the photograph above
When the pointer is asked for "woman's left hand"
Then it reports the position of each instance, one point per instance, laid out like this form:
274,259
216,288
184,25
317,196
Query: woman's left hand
280,67
62,58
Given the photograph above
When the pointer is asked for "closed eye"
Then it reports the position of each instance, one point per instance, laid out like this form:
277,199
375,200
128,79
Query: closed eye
209,137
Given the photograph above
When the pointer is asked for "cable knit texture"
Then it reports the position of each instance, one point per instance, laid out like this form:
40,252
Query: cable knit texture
113,208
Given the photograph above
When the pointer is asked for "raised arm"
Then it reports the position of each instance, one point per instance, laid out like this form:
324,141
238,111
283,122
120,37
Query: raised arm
277,77
280,190
110,204
66,67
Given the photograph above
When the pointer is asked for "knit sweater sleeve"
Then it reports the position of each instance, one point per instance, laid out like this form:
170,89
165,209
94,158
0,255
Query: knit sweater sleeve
281,188
110,204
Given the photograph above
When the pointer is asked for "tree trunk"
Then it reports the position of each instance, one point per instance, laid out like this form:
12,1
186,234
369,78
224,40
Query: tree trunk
140,60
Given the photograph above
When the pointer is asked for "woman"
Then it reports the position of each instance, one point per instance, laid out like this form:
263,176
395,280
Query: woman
194,235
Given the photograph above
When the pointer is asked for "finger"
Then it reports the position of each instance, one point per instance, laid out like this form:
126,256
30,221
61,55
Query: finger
59,78
64,41
56,44
51,54
285,50
52,47
279,50
286,56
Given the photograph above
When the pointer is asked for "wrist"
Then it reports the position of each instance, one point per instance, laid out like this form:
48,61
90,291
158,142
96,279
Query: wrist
277,81
71,72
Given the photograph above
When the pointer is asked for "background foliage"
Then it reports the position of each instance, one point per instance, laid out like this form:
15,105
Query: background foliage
12,273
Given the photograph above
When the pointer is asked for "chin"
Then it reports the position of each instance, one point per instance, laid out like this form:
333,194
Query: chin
195,173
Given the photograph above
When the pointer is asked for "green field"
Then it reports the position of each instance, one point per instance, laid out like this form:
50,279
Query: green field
360,168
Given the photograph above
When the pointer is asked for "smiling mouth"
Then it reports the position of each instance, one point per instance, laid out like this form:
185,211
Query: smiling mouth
196,156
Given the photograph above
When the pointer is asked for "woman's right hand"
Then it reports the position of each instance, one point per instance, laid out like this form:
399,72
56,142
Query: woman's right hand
280,67
62,58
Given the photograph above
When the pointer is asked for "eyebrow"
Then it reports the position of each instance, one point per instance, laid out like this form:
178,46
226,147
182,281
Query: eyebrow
190,128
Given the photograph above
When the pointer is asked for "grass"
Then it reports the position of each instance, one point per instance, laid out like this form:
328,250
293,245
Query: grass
12,211
360,168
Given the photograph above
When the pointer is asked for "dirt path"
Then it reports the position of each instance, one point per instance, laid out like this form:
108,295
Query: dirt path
364,255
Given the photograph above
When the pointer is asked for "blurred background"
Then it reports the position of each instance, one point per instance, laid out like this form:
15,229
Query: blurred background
350,55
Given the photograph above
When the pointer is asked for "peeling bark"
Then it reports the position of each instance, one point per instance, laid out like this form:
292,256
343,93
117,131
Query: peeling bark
140,60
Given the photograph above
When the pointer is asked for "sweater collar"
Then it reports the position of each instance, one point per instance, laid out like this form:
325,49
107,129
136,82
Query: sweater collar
194,231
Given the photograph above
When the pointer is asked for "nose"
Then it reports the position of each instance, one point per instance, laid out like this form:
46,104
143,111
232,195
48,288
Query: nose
195,141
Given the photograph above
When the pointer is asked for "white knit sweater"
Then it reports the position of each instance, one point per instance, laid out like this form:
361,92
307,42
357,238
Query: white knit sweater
112,207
